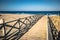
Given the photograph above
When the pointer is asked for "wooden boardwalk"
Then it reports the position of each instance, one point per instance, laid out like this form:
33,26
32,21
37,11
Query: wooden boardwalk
38,31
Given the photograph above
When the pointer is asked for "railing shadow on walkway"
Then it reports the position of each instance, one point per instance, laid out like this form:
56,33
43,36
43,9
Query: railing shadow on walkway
16,35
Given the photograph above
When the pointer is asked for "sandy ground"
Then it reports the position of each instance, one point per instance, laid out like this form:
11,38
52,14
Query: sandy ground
9,17
56,21
38,31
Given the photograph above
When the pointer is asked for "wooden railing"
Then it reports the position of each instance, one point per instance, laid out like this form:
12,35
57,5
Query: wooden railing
21,30
53,33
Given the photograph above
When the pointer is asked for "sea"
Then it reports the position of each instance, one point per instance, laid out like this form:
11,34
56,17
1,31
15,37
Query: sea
31,12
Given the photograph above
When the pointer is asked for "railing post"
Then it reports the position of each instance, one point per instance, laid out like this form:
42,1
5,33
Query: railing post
19,25
26,25
4,29
19,33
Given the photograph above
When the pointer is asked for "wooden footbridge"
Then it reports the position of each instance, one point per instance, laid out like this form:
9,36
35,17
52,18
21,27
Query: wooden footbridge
24,24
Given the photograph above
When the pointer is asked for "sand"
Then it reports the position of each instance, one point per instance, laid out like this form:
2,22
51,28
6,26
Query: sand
56,21
10,17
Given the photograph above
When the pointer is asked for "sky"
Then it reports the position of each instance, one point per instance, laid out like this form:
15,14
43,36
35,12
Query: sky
29,5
